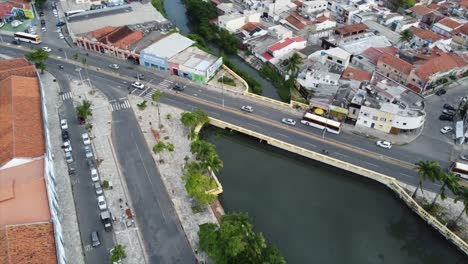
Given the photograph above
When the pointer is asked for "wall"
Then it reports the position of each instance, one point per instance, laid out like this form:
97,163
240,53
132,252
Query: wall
313,6
293,46
367,117
325,25
152,61
392,72
384,121
405,122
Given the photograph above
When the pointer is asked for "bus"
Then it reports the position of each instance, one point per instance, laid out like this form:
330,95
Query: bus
460,169
321,122
26,37
73,12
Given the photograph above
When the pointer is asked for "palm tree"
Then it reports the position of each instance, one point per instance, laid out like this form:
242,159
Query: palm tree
294,63
156,96
462,195
213,162
189,120
449,180
428,170
84,110
202,116
406,36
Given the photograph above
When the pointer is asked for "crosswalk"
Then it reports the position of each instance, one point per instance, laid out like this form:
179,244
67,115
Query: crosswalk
119,105
66,96
166,83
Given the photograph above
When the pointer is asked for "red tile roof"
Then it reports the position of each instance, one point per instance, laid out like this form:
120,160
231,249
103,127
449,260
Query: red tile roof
28,244
463,29
21,124
434,6
421,10
120,37
267,56
356,74
295,22
448,22
464,4
251,26
284,43
425,34
321,19
396,63
298,3
17,67
373,54
345,30
441,63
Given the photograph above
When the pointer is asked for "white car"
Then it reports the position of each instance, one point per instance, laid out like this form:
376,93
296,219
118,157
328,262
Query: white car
289,121
67,146
58,30
247,108
138,85
69,157
64,124
102,203
88,152
97,188
61,36
446,129
94,175
44,29
114,66
86,139
46,49
384,144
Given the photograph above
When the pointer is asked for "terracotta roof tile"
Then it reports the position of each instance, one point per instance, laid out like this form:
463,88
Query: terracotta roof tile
356,74
441,63
433,6
448,22
284,43
99,33
421,10
425,34
28,244
396,63
345,30
295,22
267,56
463,29
13,63
298,3
251,26
373,54
21,127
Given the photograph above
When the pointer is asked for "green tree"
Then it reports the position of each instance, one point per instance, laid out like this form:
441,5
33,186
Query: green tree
84,61
159,147
38,57
202,116
76,55
189,120
84,110
462,195
159,5
198,185
294,63
235,241
228,42
406,36
118,253
428,170
156,96
213,162
449,180
198,39
202,149
197,10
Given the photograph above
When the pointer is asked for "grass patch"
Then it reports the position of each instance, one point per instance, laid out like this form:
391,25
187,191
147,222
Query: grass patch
278,82
227,80
159,5
254,86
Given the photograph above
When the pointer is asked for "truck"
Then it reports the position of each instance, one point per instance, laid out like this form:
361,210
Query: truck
106,219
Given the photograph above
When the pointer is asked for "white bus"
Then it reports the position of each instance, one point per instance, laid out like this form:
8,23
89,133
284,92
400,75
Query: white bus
321,122
73,12
26,37
460,169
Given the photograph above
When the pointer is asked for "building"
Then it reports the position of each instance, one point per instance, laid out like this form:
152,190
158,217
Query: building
157,55
420,10
195,64
309,8
423,37
321,79
234,21
446,26
460,35
322,23
388,106
11,9
394,68
30,228
336,56
280,32
278,50
352,30
358,46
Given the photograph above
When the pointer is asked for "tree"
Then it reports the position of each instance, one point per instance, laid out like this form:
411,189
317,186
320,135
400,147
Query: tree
159,147
84,61
235,241
462,195
406,36
38,57
76,55
118,253
84,110
449,180
201,116
189,120
294,63
156,96
198,185
428,170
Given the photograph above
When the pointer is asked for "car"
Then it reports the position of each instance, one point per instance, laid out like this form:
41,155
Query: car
449,107
441,92
69,157
58,30
67,146
140,76
445,118
64,124
95,242
46,49
61,36
91,164
114,66
94,175
44,29
446,129
60,23
85,138
463,157
178,87
65,135
449,112
384,144
138,85
288,121
88,152
55,15
15,42
102,203
247,108
41,13
97,188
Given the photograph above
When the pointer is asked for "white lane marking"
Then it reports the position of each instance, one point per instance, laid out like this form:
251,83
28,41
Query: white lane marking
133,91
311,144
372,164
250,124
283,135
406,175
341,154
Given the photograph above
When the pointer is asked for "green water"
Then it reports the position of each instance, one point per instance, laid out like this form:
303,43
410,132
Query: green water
318,214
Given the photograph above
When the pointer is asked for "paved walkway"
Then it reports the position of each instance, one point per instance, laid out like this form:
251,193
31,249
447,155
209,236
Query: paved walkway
71,234
126,231
374,134
170,165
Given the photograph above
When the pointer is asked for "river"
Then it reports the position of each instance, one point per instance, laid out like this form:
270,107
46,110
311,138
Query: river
315,213
176,14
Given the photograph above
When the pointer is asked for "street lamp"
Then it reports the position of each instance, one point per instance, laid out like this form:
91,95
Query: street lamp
222,88
79,71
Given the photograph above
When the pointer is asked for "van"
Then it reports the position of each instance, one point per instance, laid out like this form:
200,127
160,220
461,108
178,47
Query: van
95,242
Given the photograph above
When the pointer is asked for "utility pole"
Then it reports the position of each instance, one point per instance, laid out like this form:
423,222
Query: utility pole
79,71
222,87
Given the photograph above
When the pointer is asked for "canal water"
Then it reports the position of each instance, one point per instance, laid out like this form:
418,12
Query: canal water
175,10
315,213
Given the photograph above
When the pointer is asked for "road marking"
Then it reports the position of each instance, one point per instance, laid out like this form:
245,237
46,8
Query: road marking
283,135
311,144
133,91
250,124
66,96
406,175
372,164
195,95
341,154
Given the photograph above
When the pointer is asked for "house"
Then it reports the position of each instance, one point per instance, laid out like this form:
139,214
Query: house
357,46
280,32
351,30
320,78
309,8
445,27
460,35
9,10
276,51
394,68
420,10
234,21
322,23
423,37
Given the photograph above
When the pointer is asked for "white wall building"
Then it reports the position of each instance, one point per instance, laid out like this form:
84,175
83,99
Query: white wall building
280,32
278,50
334,55
233,22
310,7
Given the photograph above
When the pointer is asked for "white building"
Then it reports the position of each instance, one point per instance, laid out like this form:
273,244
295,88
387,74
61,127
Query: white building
334,55
445,27
323,23
280,32
233,22
312,7
319,74
278,50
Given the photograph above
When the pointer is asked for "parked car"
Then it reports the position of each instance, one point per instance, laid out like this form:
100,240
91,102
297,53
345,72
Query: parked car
178,87
102,203
85,138
67,146
61,36
114,66
95,242
98,188
15,42
46,49
106,219
88,152
464,157
247,108
384,144
41,13
58,30
69,157
60,23
445,118
446,129
138,85
94,175
64,124
449,107
44,29
65,136
140,76
449,112
289,121
91,164
441,92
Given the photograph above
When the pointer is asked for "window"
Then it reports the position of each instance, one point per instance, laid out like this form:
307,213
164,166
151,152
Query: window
383,119
354,111
395,71
339,61
330,58
374,118
404,124
365,122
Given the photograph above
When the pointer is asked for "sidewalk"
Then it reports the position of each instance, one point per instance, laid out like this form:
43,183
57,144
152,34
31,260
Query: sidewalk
374,134
170,165
71,234
126,231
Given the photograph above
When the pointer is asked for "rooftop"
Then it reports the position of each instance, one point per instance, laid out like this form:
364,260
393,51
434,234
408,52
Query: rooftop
17,67
338,52
350,29
425,34
420,10
396,63
146,41
355,74
450,23
169,46
359,45
284,43
373,54
442,62
194,58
